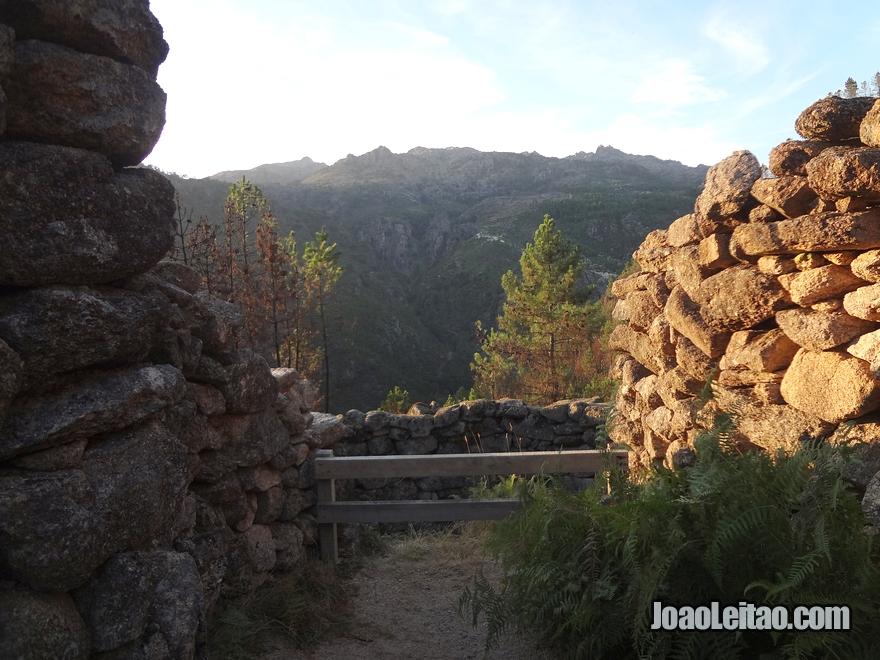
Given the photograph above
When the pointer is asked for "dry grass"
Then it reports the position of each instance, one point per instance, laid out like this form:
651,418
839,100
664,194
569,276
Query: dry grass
457,542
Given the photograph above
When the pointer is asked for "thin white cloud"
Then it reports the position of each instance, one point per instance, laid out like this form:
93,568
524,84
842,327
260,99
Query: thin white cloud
741,42
450,7
421,34
673,83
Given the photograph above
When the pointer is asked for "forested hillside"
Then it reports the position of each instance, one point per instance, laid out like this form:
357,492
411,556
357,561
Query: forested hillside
425,237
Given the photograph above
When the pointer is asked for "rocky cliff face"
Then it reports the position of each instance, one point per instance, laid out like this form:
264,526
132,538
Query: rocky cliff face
149,462
771,287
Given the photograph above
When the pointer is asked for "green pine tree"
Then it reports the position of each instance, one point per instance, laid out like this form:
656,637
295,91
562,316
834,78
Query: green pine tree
545,329
321,273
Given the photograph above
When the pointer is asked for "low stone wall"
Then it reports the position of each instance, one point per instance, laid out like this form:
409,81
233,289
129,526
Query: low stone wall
480,426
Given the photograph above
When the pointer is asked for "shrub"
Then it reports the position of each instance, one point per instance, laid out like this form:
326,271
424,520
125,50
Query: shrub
295,609
396,401
583,569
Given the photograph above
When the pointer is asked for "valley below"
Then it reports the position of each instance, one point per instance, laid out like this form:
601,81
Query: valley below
425,237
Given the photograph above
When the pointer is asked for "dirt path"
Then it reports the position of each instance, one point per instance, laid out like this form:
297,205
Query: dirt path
406,607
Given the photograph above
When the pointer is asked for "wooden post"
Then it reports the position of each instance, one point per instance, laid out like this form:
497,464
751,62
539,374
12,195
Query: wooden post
327,531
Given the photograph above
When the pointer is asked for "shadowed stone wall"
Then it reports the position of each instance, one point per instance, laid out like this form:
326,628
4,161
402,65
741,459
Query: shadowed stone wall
149,462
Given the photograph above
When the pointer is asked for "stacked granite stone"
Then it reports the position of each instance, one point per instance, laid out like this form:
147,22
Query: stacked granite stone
148,461
467,427
771,287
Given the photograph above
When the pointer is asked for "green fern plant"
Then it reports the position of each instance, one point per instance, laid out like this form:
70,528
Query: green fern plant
583,569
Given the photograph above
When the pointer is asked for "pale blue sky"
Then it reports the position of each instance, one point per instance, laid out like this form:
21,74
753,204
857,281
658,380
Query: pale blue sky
261,81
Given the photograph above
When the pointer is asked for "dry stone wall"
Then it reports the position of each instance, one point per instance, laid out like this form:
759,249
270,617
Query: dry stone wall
771,287
150,463
506,425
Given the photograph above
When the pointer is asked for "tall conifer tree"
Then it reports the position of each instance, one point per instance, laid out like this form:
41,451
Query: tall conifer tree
545,326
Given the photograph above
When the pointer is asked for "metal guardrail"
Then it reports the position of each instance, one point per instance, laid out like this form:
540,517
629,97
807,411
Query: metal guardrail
328,468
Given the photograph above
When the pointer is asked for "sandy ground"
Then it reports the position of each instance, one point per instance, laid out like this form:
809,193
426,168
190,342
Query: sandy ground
406,606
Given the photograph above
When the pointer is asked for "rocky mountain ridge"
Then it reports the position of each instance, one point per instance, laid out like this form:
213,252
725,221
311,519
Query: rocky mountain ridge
426,236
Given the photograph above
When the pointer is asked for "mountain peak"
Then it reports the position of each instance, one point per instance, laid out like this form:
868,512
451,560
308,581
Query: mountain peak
293,171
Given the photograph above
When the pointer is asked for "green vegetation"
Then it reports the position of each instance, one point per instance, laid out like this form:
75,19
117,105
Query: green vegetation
852,89
397,401
582,570
425,247
544,348
282,294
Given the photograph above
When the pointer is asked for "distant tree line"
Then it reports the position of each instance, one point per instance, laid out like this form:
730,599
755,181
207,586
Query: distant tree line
852,89
281,292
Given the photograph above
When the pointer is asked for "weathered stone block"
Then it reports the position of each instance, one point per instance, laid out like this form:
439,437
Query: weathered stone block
684,315
66,216
124,30
811,286
251,439
714,252
251,387
416,426
790,196
57,95
867,265
41,625
684,231
840,173
867,348
639,345
776,265
102,402
740,297
58,527
324,431
137,595
791,157
818,331
727,190
759,351
864,302
830,385
416,446
833,118
653,253
825,232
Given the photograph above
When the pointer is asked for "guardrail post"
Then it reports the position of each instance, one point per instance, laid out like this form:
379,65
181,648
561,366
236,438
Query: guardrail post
327,531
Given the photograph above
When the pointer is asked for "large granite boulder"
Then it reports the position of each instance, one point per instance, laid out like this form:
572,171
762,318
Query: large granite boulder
840,173
57,95
67,217
833,118
59,329
98,403
142,600
41,625
727,193
830,385
125,30
57,527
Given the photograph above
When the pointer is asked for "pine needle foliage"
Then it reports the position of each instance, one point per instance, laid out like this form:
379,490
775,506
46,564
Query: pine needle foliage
583,569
